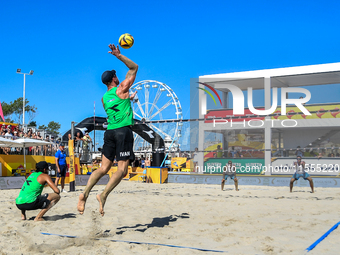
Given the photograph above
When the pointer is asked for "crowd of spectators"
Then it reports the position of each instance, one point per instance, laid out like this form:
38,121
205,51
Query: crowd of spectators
14,132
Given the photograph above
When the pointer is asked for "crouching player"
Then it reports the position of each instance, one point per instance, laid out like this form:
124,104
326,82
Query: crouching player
229,171
300,172
30,197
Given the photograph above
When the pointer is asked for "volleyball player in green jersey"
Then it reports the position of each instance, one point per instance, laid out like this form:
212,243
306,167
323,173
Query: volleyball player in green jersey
118,138
30,197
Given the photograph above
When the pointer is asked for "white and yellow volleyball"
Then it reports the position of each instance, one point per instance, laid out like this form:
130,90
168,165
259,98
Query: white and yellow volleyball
126,41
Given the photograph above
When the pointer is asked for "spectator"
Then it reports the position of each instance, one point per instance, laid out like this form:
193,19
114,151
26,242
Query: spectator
232,152
77,146
86,140
298,152
20,133
5,149
39,148
53,145
195,158
34,148
142,160
219,151
29,133
78,136
47,148
136,162
9,132
312,153
39,136
148,162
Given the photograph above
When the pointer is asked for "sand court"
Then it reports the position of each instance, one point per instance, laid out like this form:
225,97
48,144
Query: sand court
254,220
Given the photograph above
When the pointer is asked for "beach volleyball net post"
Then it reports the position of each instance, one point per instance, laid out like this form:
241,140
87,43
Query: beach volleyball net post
72,172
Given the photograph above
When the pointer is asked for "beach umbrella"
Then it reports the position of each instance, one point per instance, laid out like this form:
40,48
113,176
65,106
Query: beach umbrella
28,142
4,142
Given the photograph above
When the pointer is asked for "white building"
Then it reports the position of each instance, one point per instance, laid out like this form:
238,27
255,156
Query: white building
290,125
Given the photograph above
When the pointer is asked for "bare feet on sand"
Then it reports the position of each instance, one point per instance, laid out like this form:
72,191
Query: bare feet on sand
81,203
101,204
23,216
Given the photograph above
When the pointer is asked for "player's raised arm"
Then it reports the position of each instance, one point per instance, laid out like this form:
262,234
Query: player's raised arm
133,68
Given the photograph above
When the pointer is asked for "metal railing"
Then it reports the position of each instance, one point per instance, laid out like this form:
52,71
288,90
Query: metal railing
42,150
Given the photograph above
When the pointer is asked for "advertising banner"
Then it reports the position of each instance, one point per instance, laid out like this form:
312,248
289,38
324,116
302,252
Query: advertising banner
12,182
81,180
72,171
313,166
243,166
331,182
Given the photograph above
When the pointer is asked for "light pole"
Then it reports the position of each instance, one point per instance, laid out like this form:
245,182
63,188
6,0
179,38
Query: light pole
23,100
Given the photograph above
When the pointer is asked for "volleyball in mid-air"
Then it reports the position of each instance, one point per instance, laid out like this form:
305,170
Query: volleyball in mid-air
126,41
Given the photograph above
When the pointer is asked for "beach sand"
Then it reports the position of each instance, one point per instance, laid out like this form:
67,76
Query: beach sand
254,220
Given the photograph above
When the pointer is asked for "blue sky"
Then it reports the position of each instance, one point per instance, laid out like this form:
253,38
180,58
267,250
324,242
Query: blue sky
65,43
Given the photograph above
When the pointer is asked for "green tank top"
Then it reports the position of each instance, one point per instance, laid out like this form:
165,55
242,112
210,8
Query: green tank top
119,111
30,190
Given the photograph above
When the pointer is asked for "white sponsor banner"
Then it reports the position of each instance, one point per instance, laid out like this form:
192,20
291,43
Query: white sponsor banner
12,182
332,182
183,178
213,179
313,166
81,180
249,180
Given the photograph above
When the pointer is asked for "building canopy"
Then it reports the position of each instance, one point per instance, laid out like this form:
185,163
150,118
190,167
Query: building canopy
280,77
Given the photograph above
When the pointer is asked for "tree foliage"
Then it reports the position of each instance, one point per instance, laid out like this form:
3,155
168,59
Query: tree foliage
13,114
42,127
13,110
32,124
53,127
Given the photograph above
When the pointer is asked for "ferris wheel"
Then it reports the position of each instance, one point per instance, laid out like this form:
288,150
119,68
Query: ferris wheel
156,101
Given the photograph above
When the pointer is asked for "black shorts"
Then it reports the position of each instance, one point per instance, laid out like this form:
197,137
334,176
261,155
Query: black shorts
118,143
40,203
63,170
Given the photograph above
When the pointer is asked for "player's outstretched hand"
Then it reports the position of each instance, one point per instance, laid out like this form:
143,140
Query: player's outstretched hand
133,95
114,50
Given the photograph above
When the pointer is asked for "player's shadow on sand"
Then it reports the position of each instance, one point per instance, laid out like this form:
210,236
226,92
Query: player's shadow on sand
156,222
228,189
303,191
57,217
